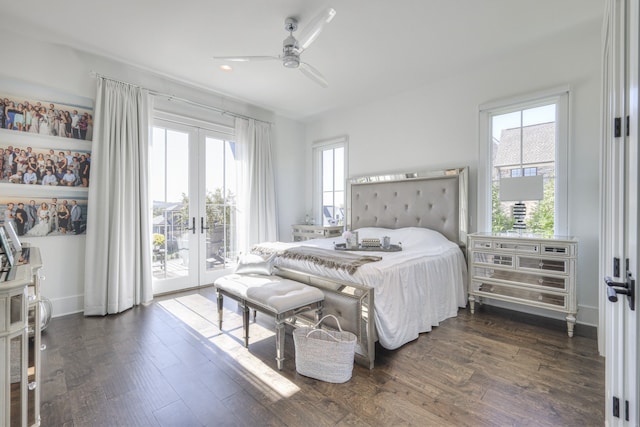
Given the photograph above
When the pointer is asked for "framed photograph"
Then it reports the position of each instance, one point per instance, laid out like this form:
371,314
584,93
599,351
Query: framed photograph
13,237
8,252
25,163
38,110
65,214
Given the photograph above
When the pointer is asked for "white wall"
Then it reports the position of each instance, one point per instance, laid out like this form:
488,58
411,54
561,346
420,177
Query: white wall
437,125
288,158
68,71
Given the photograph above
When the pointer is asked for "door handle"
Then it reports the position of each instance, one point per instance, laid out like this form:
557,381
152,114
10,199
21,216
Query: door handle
202,227
627,288
193,226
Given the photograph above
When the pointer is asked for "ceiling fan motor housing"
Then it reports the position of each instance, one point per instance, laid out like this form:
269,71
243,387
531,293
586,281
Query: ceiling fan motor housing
290,55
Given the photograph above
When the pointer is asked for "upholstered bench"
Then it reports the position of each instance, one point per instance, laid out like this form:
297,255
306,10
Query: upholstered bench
277,296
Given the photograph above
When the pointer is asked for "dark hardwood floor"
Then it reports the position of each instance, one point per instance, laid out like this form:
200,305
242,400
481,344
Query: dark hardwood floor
167,364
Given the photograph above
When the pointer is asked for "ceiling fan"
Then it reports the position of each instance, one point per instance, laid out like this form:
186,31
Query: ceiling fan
292,47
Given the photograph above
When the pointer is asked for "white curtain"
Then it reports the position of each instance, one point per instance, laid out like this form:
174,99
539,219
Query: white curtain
257,220
118,259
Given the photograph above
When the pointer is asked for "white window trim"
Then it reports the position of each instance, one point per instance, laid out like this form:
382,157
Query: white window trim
560,95
317,148
226,132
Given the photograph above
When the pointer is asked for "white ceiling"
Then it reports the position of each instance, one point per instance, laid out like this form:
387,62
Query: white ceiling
372,48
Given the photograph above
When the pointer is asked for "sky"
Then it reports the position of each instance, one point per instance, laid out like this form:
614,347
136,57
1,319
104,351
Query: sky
170,168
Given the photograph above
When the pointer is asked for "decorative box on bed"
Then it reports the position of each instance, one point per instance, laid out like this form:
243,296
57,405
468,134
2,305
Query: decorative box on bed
405,204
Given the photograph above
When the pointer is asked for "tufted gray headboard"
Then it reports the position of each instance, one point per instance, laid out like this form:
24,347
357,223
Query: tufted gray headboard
434,199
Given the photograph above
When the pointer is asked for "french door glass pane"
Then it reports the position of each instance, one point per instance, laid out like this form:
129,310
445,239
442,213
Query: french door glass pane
220,205
170,189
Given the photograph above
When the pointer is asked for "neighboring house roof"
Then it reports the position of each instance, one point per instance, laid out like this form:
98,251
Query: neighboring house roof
538,145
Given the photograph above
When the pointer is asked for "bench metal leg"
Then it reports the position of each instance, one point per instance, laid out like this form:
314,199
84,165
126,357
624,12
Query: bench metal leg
219,310
245,324
280,343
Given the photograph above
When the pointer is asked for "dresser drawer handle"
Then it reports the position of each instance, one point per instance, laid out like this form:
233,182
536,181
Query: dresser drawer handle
541,264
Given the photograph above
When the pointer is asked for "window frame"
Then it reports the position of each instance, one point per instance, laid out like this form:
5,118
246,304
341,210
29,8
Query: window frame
561,97
318,148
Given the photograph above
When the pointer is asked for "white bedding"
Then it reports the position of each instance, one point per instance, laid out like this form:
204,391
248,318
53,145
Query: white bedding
414,289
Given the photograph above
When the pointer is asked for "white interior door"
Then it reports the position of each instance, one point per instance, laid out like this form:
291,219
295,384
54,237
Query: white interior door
620,234
193,192
630,412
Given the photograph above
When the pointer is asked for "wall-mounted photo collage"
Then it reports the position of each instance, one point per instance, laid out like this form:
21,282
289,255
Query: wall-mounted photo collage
45,159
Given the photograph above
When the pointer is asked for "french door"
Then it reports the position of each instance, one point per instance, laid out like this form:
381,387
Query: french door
193,189
620,231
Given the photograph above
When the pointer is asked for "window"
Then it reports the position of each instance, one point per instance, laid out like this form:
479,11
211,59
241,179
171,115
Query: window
524,138
330,181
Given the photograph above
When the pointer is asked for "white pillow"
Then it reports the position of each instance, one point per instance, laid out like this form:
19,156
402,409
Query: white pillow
255,264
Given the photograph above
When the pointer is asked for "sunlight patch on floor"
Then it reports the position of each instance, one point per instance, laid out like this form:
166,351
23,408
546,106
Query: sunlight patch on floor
267,375
201,315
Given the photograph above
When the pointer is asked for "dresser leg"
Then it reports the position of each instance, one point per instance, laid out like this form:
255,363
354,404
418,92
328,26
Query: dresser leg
571,322
472,304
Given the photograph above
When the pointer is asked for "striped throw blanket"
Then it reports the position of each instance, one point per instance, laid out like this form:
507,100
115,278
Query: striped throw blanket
329,258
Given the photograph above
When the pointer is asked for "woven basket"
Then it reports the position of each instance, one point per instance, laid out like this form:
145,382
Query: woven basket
324,355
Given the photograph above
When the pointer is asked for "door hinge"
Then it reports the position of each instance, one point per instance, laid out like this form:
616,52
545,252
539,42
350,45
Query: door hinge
627,126
616,407
617,127
616,267
626,410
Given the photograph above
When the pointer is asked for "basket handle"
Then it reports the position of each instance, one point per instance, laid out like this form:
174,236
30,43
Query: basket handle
328,315
323,331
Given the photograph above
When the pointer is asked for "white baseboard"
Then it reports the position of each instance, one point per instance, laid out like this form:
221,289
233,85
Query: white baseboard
67,305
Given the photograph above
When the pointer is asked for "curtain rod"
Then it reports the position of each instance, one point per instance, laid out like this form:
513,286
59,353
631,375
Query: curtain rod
184,100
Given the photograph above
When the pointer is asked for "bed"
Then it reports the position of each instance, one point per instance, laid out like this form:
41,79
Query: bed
407,292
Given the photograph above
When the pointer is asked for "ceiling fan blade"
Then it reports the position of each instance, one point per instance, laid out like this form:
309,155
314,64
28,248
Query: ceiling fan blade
313,74
245,58
313,29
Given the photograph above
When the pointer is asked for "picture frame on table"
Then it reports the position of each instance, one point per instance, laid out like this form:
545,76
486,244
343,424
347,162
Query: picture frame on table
6,248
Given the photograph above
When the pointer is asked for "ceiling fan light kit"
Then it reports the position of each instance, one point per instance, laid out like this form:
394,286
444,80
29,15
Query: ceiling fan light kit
292,47
291,61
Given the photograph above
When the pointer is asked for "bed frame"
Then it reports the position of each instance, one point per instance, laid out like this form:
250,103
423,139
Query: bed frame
435,199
